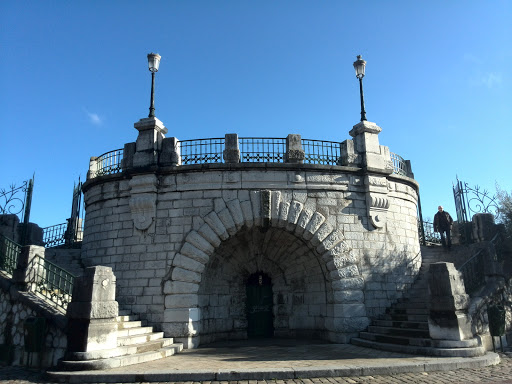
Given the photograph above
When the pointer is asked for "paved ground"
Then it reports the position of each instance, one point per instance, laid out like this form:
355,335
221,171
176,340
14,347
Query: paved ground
263,360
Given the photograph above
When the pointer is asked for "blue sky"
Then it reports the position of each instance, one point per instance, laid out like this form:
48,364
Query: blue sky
74,80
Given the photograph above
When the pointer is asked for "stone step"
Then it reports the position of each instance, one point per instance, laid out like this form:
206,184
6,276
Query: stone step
401,324
129,324
123,318
410,305
134,331
408,311
119,351
420,350
121,361
399,340
138,339
405,317
407,332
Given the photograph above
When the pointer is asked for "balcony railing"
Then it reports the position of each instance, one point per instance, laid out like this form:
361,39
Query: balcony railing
108,163
252,150
201,151
262,150
321,152
399,165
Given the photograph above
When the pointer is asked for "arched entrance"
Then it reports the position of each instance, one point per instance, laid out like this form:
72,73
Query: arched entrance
259,306
290,302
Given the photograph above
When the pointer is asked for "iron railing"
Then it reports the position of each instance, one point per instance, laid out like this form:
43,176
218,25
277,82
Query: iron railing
252,150
51,282
9,252
473,272
109,163
202,151
55,235
428,231
262,149
321,152
399,165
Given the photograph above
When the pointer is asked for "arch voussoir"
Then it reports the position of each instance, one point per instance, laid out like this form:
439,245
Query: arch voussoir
216,224
293,215
313,225
200,242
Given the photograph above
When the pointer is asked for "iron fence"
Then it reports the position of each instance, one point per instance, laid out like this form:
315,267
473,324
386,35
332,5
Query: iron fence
51,282
252,150
9,251
473,272
428,232
54,235
109,163
399,165
262,149
321,152
201,151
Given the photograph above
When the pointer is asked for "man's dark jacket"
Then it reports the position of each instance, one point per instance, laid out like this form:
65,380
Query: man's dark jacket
442,221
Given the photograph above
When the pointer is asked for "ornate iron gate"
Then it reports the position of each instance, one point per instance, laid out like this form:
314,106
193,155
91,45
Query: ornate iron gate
74,229
469,201
12,202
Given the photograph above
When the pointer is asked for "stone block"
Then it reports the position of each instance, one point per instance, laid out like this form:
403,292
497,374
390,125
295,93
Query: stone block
347,310
181,300
187,315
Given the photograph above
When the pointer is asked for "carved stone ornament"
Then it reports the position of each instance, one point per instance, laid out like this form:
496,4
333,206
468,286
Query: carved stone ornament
378,205
143,208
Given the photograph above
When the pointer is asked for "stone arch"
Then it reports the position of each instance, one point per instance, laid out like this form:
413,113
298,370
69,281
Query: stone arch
267,209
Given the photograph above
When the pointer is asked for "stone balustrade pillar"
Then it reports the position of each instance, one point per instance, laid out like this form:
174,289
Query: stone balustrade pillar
449,303
93,311
93,168
232,151
294,151
170,155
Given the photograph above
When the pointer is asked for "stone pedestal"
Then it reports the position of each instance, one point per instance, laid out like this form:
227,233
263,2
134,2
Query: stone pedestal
93,311
366,152
483,227
449,302
27,269
375,157
184,325
149,141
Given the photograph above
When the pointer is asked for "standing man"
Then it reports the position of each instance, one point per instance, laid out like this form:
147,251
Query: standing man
443,224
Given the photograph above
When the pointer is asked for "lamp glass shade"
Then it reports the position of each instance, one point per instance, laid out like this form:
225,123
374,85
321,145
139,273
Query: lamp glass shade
153,62
359,66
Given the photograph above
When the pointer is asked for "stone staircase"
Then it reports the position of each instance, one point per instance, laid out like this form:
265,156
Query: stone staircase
135,344
404,326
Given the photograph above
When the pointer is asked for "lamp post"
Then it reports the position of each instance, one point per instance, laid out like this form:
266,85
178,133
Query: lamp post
359,66
153,64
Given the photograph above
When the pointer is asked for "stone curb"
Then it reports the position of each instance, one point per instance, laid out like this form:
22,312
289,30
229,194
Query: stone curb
370,369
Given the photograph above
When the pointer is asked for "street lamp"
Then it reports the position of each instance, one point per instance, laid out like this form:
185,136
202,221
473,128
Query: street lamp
153,63
359,66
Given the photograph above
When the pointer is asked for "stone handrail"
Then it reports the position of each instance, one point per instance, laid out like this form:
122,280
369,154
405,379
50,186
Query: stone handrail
232,149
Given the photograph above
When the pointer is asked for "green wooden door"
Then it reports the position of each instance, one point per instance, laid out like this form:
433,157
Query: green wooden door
259,306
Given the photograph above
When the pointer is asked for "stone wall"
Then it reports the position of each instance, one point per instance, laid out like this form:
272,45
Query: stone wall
15,309
182,241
